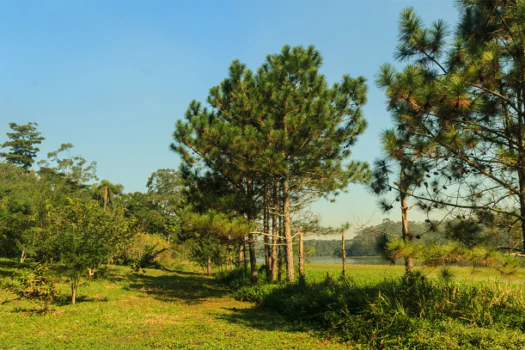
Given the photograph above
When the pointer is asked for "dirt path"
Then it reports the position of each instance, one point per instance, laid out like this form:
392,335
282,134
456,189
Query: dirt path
210,318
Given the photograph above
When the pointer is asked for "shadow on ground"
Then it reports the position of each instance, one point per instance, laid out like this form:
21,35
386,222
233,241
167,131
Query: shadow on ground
7,267
256,317
190,287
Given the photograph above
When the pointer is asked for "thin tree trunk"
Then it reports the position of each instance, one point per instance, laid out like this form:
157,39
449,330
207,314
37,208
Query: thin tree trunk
105,197
343,251
521,177
240,257
290,273
274,236
266,230
74,286
23,256
245,261
208,270
281,247
301,256
407,238
253,261
280,261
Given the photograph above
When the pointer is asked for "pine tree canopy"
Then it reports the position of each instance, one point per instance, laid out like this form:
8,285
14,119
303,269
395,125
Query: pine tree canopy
462,101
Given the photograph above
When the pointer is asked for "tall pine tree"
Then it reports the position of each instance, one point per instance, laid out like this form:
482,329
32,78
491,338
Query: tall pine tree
465,100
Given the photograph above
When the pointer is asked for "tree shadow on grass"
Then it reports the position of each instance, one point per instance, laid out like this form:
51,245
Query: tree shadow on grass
190,287
7,267
258,318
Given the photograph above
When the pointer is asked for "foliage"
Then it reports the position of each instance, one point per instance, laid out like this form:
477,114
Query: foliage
22,145
461,99
146,250
18,209
392,313
283,125
83,236
36,283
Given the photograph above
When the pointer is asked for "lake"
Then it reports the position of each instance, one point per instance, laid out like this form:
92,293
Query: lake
351,260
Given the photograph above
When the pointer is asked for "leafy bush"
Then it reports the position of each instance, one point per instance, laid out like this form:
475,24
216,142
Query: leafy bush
147,250
35,283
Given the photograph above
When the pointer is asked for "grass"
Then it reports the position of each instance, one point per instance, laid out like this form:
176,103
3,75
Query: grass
377,273
183,310
376,307
158,309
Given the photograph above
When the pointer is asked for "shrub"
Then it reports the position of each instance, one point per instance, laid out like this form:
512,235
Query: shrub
35,283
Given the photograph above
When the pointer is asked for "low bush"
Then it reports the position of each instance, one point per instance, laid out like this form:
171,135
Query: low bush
36,283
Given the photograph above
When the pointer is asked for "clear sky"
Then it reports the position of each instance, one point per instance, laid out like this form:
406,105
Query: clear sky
112,77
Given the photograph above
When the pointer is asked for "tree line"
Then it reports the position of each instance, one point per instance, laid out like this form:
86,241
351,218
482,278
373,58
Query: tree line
62,215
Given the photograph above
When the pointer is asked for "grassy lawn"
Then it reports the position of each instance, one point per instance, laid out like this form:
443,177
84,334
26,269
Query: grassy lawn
377,273
178,309
158,309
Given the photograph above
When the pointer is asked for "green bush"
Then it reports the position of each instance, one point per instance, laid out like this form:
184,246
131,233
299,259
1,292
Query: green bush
35,283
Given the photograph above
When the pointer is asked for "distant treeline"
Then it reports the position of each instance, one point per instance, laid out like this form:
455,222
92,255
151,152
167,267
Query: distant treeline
365,243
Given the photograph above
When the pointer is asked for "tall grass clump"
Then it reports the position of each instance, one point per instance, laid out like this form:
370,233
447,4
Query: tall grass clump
411,311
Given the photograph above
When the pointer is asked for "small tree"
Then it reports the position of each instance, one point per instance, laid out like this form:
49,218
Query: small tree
402,160
82,238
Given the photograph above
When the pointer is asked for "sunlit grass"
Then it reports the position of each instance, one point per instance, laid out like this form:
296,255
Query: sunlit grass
157,309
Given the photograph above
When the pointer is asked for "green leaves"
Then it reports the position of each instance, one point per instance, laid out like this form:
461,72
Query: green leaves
23,150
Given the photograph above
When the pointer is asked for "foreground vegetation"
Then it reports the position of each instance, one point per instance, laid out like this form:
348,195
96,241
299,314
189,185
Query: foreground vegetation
375,306
156,309
380,307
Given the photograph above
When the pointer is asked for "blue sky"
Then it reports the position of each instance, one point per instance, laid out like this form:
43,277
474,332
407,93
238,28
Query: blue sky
112,77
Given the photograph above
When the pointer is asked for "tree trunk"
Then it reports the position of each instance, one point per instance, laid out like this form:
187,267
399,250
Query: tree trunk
22,256
253,261
245,261
74,286
409,260
301,256
266,230
343,251
280,260
240,257
274,237
208,267
290,273
281,248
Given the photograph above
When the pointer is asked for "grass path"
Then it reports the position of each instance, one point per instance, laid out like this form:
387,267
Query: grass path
173,310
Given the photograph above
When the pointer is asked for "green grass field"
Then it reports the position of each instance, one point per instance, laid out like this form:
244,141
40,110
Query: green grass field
175,310
158,309
376,273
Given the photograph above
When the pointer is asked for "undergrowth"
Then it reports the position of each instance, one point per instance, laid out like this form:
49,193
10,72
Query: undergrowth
411,311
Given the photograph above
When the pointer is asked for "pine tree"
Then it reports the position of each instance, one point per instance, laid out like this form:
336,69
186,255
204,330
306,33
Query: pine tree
308,129
283,125
464,98
401,160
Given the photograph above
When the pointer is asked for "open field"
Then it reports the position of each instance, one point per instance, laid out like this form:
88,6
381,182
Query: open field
177,309
376,273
